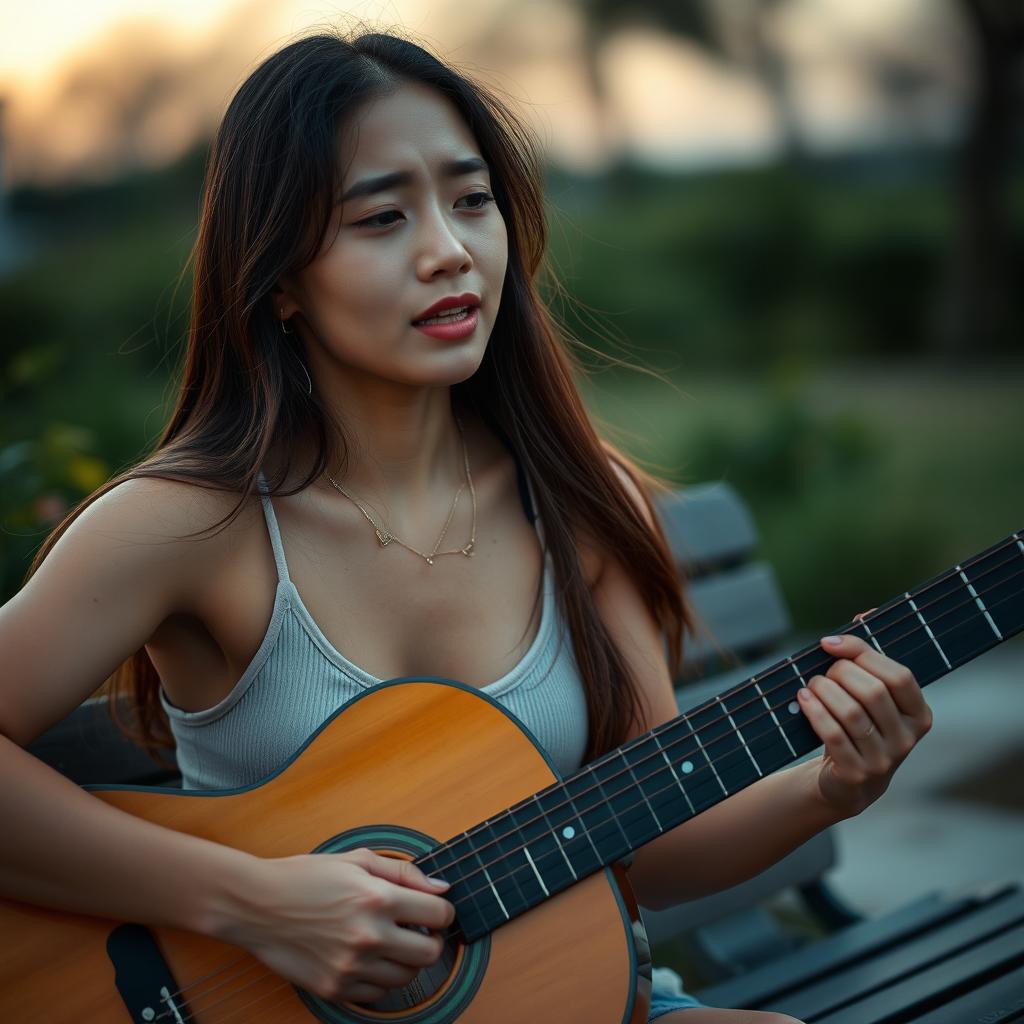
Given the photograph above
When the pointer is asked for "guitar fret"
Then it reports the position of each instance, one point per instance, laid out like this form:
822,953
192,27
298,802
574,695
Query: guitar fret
479,921
928,630
510,873
771,711
601,813
711,764
490,882
672,769
582,824
979,602
526,850
554,835
641,790
743,742
610,805
871,636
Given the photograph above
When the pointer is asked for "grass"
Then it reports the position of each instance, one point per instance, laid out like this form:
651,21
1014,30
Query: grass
864,479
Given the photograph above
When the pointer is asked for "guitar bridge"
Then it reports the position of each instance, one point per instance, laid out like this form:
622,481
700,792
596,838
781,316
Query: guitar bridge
143,979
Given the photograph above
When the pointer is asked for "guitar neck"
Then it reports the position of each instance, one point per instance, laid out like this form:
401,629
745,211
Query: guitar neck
629,796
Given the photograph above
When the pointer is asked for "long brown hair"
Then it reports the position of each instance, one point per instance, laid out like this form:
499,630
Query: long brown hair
273,165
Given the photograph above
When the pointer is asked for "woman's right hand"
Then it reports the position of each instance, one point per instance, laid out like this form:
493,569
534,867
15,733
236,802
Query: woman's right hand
333,923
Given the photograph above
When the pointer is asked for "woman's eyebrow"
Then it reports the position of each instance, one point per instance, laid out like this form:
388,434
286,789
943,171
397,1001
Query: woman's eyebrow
381,183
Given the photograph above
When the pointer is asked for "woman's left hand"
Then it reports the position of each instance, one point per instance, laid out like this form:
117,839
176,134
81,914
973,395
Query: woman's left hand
869,712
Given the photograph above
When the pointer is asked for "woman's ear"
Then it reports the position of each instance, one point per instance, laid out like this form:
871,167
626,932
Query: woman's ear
283,301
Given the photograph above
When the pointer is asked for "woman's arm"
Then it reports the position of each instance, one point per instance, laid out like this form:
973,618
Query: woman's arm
327,923
867,709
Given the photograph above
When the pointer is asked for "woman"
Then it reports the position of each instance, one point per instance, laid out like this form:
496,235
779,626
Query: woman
372,380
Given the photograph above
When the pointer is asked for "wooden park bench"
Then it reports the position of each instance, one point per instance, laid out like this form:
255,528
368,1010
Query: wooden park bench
941,959
945,958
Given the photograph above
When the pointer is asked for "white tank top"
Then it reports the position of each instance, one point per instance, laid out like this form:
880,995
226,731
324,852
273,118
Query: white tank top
297,679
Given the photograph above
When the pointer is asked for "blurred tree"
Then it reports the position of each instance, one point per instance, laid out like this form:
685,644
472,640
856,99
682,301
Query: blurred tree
738,31
977,310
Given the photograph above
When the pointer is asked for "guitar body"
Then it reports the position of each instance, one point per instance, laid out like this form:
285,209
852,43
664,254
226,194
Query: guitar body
425,760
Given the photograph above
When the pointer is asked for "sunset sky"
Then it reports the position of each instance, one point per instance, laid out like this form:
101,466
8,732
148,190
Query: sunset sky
71,72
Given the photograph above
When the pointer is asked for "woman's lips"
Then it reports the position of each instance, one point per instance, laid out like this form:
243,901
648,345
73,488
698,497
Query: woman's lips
454,329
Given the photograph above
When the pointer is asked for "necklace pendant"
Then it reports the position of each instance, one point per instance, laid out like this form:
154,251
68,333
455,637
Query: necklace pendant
384,538
468,550
430,561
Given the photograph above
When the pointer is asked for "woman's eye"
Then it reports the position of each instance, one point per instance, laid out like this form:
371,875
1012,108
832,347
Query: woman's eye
484,197
375,221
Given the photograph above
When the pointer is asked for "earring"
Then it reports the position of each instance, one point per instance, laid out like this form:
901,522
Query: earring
284,330
309,383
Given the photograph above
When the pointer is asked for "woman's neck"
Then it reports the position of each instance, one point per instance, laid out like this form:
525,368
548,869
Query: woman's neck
404,450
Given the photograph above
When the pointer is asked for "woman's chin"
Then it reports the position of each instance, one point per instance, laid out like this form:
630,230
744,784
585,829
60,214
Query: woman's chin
450,369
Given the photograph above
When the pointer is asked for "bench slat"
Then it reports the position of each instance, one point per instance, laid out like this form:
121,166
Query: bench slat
742,608
936,986
707,525
903,973
781,977
998,1000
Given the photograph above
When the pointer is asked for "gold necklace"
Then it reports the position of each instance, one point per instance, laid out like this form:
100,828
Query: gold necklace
385,535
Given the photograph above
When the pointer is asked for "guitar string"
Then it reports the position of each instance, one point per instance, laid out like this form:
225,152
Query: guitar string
539,858
233,1012
789,662
227,977
711,762
665,727
614,817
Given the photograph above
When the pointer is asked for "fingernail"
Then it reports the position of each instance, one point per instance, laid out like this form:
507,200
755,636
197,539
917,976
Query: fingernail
833,640
438,883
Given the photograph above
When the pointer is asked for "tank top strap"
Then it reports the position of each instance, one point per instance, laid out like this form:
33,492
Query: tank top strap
273,529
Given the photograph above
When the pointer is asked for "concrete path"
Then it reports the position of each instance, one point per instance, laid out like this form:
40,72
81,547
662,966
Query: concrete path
954,815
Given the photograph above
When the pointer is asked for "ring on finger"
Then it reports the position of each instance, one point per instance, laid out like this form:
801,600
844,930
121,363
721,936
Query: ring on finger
871,729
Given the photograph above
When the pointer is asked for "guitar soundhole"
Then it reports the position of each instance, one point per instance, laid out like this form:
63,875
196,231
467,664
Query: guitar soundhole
439,993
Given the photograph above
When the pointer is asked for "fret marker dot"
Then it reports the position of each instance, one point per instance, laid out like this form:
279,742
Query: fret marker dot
568,832
687,767
792,707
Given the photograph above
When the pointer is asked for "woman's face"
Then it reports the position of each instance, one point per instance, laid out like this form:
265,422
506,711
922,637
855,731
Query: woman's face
395,248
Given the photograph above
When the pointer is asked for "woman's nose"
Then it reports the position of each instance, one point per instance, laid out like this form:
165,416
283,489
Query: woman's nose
441,248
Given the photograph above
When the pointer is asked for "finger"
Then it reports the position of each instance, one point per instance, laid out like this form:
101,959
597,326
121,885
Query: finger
362,993
861,730
898,678
402,872
387,973
410,947
848,645
419,908
871,694
829,731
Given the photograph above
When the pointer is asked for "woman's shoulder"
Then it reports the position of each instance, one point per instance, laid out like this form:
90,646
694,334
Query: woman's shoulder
161,520
171,508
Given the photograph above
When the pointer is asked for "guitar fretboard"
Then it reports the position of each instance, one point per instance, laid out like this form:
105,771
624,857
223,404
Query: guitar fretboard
505,866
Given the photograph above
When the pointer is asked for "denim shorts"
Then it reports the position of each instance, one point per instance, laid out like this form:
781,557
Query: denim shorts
667,994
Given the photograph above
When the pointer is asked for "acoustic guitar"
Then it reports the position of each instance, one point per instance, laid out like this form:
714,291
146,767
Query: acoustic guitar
546,927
